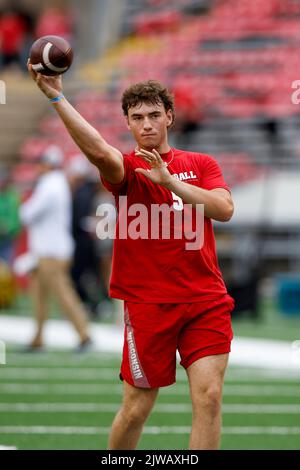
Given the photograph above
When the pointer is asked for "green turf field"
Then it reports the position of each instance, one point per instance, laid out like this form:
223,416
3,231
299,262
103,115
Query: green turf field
59,400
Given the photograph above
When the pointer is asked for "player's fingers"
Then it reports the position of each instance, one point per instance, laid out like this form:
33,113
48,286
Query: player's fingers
149,154
144,157
38,77
155,152
40,81
142,154
154,156
143,172
31,71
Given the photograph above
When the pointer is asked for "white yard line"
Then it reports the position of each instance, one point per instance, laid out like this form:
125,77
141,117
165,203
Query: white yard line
262,379
65,389
234,374
112,373
113,389
93,430
262,390
41,373
59,334
249,352
159,408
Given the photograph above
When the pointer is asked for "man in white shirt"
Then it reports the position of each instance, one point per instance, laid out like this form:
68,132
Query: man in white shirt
47,216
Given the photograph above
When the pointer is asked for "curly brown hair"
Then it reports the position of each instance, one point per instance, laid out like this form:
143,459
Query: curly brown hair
150,91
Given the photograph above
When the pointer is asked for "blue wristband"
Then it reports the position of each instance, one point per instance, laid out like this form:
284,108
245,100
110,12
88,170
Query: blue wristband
57,98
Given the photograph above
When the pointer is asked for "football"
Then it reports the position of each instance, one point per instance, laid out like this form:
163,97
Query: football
51,55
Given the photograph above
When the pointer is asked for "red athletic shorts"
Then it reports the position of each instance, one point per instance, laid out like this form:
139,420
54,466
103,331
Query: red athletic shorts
153,333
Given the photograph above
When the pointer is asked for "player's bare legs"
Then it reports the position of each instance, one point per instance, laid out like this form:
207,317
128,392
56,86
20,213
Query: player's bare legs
129,421
40,303
206,377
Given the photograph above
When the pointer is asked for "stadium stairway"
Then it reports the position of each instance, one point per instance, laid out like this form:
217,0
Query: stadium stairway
20,115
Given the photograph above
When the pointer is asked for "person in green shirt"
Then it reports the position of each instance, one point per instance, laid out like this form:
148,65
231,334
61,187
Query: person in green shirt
9,218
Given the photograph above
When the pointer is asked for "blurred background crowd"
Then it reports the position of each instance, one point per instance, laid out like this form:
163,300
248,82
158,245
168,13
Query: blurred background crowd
232,82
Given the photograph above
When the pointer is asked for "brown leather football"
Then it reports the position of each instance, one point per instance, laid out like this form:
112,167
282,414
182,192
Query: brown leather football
51,55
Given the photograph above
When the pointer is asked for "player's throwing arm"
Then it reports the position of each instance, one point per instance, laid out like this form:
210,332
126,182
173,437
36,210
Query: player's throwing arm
107,158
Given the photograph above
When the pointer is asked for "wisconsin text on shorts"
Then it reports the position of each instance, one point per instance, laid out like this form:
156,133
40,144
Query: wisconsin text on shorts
135,367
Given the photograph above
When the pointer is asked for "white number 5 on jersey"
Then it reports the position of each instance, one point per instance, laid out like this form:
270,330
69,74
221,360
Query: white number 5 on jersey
177,202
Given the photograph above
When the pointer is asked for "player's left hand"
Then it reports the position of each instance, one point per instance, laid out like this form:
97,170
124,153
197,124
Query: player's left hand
159,172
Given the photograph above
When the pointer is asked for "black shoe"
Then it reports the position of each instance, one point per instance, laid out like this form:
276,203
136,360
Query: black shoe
85,346
31,348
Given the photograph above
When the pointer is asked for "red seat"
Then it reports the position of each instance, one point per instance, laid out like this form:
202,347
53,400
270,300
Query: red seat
25,174
160,22
33,148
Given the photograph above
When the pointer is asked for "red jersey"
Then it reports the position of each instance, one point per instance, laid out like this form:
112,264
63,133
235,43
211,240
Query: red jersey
163,270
